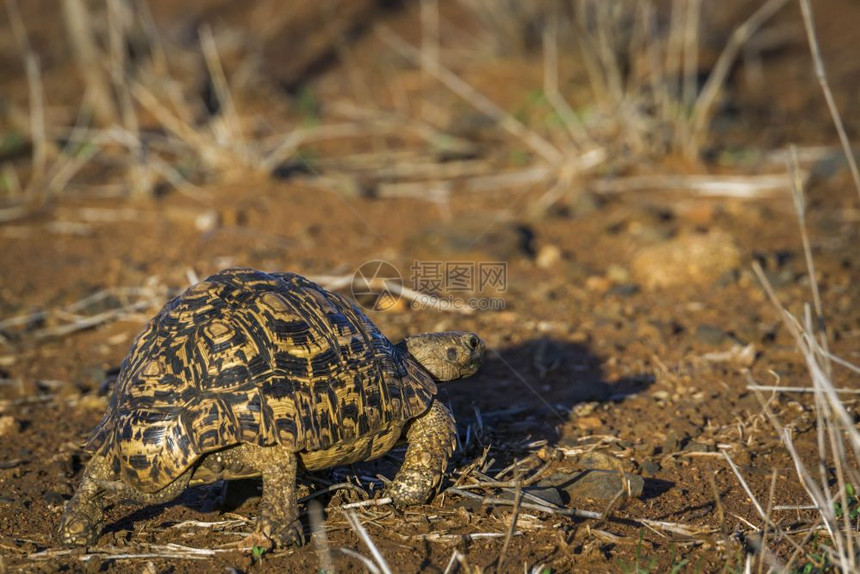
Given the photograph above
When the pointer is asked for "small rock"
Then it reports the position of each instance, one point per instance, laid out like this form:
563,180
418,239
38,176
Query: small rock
692,260
598,484
589,423
598,284
545,493
206,221
617,274
741,355
650,467
548,256
596,460
626,290
8,425
710,335
694,446
53,498
698,213
673,442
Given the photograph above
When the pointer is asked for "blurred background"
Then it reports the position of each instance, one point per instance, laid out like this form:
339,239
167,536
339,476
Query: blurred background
585,183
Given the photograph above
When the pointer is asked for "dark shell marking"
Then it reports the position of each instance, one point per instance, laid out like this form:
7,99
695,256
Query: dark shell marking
251,357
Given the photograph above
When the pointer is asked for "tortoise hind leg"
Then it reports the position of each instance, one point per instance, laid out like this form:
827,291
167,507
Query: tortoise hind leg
83,518
278,520
432,438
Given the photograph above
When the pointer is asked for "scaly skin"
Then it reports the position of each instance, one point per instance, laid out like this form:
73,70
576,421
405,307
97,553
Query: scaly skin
278,522
83,518
432,438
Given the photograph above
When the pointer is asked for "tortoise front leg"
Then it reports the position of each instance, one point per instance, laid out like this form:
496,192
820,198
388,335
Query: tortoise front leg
278,521
83,518
432,438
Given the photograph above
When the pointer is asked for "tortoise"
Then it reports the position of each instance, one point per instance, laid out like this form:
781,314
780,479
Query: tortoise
253,374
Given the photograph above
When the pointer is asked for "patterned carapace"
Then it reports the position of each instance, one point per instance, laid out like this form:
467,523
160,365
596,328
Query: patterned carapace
251,357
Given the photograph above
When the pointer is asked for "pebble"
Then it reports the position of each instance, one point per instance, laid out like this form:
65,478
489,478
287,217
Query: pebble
53,498
743,356
548,257
710,335
694,446
597,484
597,460
673,442
650,467
689,260
8,425
589,423
617,274
598,284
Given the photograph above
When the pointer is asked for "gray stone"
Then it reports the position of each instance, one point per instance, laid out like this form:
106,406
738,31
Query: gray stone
597,484
710,335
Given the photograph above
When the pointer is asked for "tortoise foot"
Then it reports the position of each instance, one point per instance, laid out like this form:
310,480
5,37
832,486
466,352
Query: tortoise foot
271,534
79,528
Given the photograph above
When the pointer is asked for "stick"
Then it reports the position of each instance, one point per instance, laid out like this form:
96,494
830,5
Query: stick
365,537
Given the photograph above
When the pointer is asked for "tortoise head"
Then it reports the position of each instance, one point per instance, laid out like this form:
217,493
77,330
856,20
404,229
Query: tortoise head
447,356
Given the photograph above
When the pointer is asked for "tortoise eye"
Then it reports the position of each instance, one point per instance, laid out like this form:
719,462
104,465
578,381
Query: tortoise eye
452,354
472,342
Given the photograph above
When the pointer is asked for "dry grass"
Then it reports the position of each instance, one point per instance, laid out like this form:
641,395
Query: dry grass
647,106
642,70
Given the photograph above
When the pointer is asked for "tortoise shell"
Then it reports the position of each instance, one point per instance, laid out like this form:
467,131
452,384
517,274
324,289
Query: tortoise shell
253,357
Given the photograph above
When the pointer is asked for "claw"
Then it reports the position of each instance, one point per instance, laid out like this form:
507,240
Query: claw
270,534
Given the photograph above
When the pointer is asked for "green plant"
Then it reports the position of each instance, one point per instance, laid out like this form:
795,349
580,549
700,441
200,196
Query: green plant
257,553
851,501
308,106
637,567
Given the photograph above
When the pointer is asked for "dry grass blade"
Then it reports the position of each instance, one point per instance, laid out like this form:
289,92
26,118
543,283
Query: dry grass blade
543,507
483,104
809,24
36,95
834,426
452,563
365,503
734,186
703,110
356,525
222,91
319,537
775,389
373,285
78,19
367,562
575,129
745,486
518,498
217,525
172,551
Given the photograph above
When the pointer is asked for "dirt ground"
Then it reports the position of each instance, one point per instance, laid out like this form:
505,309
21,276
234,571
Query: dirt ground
632,322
